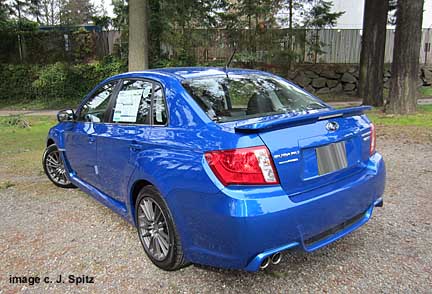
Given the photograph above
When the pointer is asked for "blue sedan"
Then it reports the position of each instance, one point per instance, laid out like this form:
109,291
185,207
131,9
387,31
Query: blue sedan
221,167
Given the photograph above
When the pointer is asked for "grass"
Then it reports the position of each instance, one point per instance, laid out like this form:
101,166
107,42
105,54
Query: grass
6,185
426,91
38,104
22,145
24,133
423,118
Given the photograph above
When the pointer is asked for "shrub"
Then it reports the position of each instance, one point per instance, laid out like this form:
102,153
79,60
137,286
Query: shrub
16,82
62,83
15,121
52,81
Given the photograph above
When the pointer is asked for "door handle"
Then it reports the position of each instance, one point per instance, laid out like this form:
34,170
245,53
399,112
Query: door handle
91,139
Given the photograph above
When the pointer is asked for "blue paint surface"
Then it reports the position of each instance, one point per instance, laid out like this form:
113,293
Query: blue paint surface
233,226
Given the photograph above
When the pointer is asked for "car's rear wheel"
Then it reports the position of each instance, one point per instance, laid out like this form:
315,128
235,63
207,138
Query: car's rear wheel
54,167
157,231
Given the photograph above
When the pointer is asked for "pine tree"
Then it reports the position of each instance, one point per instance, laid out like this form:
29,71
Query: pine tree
76,12
405,67
372,53
319,17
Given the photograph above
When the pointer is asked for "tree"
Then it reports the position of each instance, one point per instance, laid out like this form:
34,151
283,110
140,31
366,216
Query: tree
254,15
28,10
318,17
406,54
121,14
35,10
4,12
19,8
101,17
372,52
76,12
138,40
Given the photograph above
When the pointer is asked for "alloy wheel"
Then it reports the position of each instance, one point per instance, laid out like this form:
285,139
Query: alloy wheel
55,168
153,229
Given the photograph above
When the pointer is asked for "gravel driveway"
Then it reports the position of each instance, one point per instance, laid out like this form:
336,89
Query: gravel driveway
47,231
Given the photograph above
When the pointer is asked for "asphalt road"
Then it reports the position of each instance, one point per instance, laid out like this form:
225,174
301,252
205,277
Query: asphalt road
46,231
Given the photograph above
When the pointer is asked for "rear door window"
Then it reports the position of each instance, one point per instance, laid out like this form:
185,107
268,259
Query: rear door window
160,113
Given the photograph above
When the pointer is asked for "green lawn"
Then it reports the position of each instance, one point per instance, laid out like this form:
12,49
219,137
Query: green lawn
21,147
16,136
426,91
38,104
423,118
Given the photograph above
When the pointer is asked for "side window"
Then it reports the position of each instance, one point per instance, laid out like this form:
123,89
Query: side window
133,102
160,116
95,108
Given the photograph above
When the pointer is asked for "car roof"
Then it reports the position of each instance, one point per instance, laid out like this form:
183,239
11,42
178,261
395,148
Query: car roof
184,73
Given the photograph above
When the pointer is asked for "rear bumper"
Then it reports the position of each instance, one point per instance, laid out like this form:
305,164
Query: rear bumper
239,227
254,265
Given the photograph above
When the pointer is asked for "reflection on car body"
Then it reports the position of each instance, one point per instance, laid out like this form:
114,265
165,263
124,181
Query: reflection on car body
228,168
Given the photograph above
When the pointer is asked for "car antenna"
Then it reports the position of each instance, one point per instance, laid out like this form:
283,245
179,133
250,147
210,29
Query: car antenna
229,62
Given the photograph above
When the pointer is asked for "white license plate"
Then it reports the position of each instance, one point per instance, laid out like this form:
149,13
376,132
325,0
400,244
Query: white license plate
331,157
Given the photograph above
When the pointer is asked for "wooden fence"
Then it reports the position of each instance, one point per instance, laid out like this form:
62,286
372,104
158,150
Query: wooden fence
338,46
270,46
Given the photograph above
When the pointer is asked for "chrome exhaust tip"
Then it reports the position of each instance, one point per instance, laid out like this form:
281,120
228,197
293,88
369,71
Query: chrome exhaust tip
276,258
265,263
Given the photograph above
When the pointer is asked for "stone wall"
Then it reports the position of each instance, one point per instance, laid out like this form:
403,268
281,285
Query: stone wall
325,79
426,75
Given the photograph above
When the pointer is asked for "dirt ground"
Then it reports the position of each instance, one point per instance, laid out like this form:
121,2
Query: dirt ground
46,231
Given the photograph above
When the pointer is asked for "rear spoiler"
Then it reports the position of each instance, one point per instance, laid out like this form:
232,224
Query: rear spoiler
300,119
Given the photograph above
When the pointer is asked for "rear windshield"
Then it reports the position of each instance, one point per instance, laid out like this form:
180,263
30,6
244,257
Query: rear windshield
240,97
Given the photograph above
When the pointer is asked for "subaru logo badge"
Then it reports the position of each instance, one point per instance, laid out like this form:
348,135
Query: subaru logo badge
332,126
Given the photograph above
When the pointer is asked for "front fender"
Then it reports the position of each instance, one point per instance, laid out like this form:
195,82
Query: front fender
56,134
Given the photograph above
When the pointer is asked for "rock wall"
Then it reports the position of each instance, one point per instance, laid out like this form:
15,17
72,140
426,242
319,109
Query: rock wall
426,76
340,78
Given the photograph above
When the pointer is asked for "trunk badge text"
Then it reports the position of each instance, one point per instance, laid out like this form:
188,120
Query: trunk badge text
332,126
286,156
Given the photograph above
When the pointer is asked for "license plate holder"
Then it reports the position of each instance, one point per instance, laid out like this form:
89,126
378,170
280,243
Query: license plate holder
331,157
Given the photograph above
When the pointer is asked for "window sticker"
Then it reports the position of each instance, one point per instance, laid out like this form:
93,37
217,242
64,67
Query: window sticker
126,109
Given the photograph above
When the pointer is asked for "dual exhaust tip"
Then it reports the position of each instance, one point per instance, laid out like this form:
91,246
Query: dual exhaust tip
273,259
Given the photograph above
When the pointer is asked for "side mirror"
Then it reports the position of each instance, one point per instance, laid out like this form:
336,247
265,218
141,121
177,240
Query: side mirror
66,115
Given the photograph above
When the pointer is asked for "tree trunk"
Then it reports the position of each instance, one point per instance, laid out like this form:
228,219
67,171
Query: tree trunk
406,54
290,40
138,43
372,53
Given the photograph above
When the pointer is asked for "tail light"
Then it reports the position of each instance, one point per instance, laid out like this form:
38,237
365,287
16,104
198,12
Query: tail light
372,140
243,166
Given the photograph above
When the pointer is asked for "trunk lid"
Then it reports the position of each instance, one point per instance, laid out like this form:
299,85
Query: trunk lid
316,150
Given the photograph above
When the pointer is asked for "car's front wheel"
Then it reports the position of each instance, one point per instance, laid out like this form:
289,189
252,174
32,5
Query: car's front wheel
157,231
54,167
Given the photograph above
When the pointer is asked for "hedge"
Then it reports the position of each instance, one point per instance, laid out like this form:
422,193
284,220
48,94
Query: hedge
58,81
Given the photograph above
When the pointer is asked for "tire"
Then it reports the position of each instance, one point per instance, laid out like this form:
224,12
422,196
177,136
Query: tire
54,167
158,237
